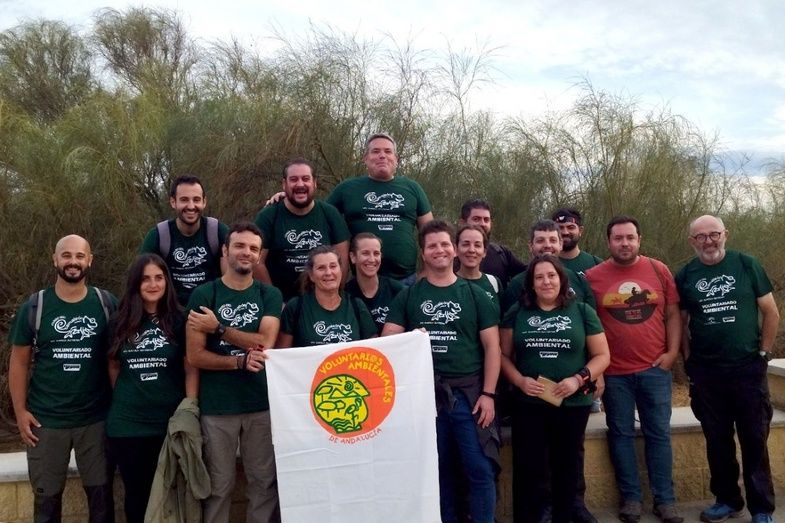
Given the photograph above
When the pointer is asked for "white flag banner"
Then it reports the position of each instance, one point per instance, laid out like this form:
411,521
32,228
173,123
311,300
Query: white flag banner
354,431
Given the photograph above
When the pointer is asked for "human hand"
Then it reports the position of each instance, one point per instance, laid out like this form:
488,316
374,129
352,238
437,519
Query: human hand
567,387
275,198
25,422
487,409
600,383
205,321
530,386
666,360
255,360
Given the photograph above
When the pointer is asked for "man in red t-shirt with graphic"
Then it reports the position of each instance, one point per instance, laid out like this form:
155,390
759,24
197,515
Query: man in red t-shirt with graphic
639,308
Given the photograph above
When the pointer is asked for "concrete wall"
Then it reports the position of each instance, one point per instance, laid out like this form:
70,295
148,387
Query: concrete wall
691,475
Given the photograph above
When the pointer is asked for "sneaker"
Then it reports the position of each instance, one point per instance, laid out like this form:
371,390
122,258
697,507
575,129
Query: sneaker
667,513
630,511
545,516
762,518
580,514
596,406
719,512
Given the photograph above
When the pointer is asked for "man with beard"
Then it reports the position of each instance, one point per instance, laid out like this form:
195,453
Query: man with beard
571,227
726,349
63,404
499,260
639,309
544,238
231,321
295,225
388,205
190,244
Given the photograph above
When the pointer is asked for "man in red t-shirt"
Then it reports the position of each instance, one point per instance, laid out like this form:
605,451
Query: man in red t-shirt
639,308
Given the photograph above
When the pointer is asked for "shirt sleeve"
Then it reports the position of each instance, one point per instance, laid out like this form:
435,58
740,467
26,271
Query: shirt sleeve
288,321
335,198
398,314
272,301
508,322
487,311
340,232
199,297
760,281
265,223
423,205
591,321
671,294
150,243
21,334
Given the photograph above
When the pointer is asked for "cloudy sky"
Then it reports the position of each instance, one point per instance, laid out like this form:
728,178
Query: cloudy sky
720,64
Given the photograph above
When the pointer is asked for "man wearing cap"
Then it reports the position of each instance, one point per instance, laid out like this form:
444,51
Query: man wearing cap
571,228
388,205
499,260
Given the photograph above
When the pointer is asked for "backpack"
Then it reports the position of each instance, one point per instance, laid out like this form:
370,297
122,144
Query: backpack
165,239
35,306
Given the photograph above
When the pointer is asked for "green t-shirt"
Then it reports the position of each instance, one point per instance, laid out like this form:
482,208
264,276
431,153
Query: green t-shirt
722,302
389,210
150,385
190,259
486,283
234,391
311,324
552,343
580,287
69,385
289,238
378,305
453,316
581,263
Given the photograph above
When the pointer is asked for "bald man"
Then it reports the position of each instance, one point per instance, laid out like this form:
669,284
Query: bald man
63,404
730,320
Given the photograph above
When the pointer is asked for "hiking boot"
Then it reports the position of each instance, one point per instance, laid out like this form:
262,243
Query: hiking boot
667,513
762,518
582,515
630,511
719,512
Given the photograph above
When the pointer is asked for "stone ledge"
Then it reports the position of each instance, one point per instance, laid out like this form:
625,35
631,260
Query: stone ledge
777,367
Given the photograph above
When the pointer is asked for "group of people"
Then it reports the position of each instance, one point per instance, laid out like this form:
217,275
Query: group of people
203,302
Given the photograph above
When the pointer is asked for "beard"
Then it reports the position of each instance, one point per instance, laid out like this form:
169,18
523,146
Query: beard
299,204
81,275
569,244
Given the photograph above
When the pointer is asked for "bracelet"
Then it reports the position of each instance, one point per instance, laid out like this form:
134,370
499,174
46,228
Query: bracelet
242,361
584,374
220,330
491,395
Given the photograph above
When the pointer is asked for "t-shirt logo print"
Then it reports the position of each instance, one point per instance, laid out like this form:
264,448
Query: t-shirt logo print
150,339
309,239
188,259
717,287
387,201
441,312
380,313
239,316
552,324
81,326
333,333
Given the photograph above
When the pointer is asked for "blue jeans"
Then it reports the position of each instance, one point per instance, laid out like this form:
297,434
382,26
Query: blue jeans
650,390
456,433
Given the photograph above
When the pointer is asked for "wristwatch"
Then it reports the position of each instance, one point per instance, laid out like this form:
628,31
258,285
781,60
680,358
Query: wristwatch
220,330
765,354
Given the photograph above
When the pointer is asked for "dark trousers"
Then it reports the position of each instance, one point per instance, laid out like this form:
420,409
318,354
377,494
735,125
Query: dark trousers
137,459
546,440
724,399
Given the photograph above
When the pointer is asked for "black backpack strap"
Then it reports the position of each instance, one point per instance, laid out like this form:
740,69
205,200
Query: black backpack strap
35,310
212,235
164,238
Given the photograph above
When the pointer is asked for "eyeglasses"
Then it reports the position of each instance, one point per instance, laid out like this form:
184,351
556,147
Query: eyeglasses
702,238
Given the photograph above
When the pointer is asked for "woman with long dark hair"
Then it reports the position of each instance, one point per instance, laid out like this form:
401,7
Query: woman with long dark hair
149,375
553,348
324,313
